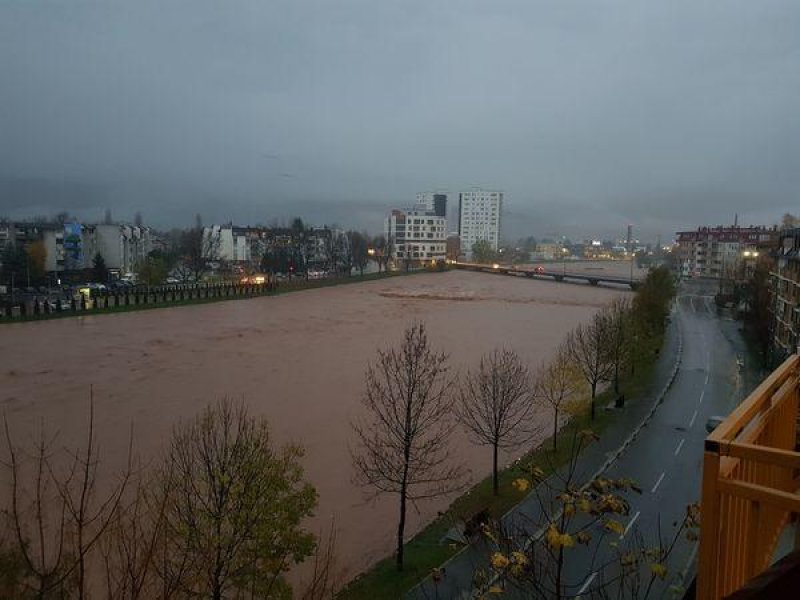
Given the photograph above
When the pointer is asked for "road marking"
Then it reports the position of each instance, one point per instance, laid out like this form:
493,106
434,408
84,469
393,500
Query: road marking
680,445
694,416
586,584
630,523
689,562
702,395
658,483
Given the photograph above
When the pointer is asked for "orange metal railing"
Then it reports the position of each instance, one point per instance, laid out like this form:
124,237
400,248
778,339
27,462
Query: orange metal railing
750,484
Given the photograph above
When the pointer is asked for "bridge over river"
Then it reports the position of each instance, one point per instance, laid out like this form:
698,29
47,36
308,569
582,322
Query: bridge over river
554,274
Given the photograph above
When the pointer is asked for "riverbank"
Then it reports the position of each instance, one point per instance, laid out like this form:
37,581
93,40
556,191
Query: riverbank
430,549
184,295
297,359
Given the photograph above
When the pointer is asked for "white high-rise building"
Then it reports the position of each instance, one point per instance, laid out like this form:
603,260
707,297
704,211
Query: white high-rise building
479,218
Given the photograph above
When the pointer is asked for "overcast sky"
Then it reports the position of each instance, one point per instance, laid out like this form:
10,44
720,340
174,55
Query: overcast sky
589,115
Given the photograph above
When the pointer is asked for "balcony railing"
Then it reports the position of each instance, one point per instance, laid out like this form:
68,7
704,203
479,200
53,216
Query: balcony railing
750,484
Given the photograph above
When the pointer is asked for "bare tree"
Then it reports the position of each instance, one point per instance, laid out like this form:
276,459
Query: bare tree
324,581
130,549
88,517
495,404
402,442
68,518
383,251
38,520
197,248
619,329
556,383
358,247
589,347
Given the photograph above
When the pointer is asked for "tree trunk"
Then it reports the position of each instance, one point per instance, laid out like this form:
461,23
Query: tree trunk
555,431
401,528
495,482
594,390
559,569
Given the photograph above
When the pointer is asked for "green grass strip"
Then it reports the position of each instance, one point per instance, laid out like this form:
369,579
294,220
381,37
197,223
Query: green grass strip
425,551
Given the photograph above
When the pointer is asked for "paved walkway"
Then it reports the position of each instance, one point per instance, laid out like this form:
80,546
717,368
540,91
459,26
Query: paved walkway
456,580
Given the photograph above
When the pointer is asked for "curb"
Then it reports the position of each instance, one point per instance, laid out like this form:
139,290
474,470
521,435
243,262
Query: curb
610,461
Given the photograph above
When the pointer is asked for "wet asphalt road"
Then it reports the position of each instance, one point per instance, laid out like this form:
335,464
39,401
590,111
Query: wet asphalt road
664,458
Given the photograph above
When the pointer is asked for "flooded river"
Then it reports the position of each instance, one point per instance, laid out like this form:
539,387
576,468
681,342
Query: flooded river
298,359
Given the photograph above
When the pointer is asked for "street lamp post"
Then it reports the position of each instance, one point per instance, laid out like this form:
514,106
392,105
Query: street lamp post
748,255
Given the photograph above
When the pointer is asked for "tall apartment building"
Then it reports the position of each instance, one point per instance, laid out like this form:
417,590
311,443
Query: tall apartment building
121,246
786,294
440,203
719,252
479,218
417,235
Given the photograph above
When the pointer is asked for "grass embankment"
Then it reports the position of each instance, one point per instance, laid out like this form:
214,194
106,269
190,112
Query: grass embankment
286,287
426,551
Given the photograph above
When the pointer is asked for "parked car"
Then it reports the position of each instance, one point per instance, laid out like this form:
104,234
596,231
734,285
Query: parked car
58,303
713,422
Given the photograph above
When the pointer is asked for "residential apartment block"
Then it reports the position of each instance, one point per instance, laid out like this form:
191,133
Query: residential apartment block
417,235
720,252
121,246
73,246
786,294
230,243
479,214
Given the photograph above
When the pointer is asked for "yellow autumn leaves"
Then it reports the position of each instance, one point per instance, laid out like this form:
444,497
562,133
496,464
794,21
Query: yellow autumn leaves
555,539
614,526
521,484
513,563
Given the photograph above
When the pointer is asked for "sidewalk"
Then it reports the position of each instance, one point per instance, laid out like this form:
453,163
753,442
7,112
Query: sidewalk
458,571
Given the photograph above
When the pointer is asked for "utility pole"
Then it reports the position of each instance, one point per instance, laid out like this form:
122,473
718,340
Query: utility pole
633,257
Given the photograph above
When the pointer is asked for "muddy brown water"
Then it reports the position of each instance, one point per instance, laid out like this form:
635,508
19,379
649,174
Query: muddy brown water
297,359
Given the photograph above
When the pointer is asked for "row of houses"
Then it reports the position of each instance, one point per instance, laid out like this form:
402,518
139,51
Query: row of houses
722,252
73,246
317,247
731,254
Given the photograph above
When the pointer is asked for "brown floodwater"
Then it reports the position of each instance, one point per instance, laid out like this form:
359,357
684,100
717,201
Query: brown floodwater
297,359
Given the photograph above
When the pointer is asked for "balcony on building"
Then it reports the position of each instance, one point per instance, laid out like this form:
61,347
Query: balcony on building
750,502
